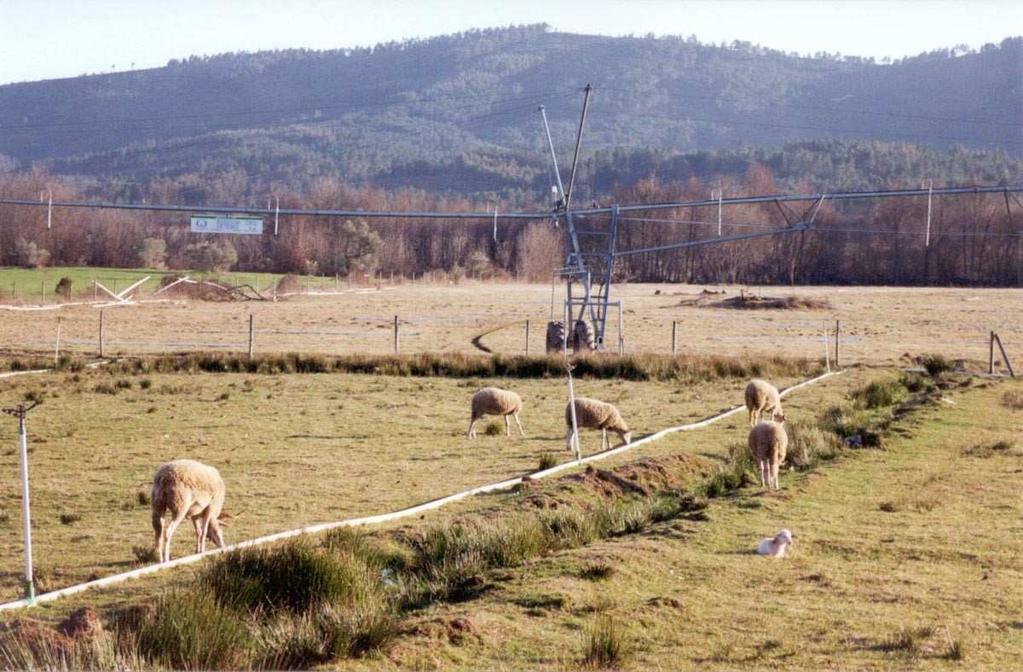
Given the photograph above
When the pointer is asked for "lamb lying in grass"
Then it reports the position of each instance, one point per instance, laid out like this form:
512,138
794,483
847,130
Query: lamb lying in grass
762,397
495,401
768,443
188,489
775,546
594,414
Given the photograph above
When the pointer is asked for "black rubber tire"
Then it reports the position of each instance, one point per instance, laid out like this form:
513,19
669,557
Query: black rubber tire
555,337
582,337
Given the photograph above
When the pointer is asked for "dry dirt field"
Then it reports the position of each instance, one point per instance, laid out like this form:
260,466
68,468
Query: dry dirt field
879,324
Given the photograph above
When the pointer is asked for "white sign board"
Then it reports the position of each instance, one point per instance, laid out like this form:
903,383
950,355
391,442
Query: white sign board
215,224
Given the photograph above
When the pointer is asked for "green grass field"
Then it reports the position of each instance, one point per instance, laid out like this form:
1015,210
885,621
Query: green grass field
31,284
907,557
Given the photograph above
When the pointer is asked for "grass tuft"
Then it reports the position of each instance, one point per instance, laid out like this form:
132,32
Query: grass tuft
144,555
597,571
547,461
492,429
605,643
69,518
1013,399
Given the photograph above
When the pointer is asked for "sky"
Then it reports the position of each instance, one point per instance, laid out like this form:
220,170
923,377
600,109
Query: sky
46,39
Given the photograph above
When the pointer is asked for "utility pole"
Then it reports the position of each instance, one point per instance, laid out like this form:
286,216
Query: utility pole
19,412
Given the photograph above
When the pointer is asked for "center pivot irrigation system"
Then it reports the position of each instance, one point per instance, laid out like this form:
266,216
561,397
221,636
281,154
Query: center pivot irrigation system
591,234
590,252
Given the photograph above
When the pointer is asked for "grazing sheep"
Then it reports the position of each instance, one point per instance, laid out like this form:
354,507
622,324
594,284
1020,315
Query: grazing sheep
775,546
593,414
768,442
191,489
762,397
495,401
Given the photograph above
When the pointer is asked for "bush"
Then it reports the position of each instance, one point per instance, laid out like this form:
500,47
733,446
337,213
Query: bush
879,394
63,287
935,365
296,576
810,444
191,631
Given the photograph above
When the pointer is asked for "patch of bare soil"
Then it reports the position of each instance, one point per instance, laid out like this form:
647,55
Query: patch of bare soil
750,301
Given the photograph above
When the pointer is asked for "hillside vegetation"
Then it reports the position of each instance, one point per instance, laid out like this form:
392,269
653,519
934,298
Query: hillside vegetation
458,112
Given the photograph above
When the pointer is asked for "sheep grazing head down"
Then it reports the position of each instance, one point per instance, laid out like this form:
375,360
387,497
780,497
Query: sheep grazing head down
779,417
626,436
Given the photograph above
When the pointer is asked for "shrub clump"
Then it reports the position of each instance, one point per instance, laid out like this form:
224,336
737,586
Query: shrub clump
296,577
605,643
190,631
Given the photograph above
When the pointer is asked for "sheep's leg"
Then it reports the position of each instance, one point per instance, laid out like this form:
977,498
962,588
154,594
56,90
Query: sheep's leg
168,535
521,433
507,426
749,416
472,428
604,442
774,474
762,468
197,525
158,533
568,438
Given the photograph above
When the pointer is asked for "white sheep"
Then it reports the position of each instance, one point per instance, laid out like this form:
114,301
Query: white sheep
775,546
762,397
594,414
495,401
188,489
768,442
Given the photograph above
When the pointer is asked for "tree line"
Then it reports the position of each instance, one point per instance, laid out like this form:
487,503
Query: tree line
974,239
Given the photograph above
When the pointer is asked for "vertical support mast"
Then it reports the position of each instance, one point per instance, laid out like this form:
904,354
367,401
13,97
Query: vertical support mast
554,157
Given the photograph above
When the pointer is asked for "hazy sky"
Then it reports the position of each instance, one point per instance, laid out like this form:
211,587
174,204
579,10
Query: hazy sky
43,39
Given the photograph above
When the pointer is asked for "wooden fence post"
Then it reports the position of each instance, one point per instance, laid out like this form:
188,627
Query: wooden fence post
1005,356
674,340
251,332
102,351
396,342
991,353
837,329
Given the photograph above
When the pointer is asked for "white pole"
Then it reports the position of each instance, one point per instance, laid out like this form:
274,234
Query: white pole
30,591
621,330
49,210
927,237
56,351
564,334
827,351
721,193
575,425
277,213
495,223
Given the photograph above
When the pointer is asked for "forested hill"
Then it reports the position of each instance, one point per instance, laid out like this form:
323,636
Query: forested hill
459,112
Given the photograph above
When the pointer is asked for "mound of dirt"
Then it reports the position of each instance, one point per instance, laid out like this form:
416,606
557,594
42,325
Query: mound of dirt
48,643
644,477
747,301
